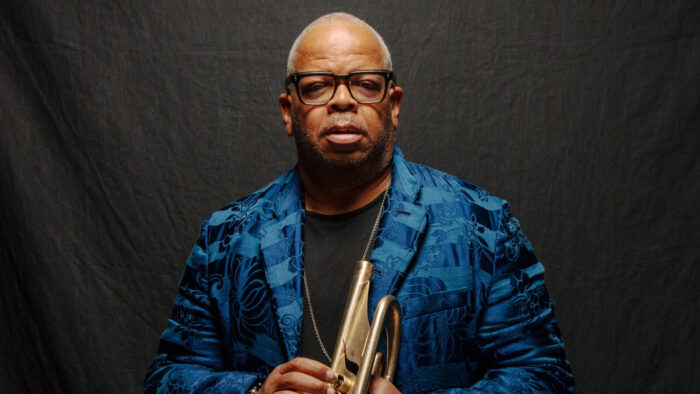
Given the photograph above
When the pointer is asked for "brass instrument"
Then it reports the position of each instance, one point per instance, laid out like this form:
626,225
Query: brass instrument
357,341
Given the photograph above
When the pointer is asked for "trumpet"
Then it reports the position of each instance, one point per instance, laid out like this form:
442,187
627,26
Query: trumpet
355,357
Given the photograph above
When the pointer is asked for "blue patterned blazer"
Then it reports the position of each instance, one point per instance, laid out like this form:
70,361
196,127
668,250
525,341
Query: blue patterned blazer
476,314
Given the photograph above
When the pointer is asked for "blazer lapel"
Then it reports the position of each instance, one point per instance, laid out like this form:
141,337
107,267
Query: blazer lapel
281,245
401,232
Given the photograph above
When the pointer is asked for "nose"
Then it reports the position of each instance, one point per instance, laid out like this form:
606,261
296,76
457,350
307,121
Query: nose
342,100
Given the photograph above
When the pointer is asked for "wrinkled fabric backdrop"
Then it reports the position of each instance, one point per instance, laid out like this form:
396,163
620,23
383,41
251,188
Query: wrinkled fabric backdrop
124,124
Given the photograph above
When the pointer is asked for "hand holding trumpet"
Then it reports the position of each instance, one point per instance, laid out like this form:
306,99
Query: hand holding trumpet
303,375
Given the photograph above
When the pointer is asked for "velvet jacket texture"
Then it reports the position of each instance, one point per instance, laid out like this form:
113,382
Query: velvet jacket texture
476,314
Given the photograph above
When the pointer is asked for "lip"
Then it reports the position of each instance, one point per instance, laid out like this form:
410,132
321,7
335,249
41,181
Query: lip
343,134
342,129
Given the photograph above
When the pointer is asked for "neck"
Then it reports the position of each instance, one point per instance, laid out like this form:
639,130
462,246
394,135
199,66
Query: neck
342,195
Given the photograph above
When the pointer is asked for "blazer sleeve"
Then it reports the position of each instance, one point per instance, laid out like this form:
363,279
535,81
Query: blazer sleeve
190,353
518,335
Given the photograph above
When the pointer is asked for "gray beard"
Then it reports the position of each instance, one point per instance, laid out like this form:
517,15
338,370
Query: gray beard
323,168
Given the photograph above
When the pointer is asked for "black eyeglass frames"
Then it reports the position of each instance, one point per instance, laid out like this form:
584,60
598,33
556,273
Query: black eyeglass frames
318,87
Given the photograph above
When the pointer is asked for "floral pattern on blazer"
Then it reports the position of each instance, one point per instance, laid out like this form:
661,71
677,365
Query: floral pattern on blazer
476,314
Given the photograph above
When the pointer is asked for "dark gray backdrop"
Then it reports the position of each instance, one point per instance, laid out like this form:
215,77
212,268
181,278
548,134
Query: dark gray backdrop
125,123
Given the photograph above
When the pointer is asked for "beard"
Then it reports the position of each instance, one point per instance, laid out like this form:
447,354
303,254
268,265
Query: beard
371,161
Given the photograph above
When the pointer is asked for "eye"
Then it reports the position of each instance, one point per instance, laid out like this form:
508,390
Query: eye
368,84
315,87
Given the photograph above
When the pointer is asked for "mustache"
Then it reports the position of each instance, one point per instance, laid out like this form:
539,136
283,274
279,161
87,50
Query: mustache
345,120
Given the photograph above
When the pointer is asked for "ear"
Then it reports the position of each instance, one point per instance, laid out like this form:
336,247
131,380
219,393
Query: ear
285,101
395,97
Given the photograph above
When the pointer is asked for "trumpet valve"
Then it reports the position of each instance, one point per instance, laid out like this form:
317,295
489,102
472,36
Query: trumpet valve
343,383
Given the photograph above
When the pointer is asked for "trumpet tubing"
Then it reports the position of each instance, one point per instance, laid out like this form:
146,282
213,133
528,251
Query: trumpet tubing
357,340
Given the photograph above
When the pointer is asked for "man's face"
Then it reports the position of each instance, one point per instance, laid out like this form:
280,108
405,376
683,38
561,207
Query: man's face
341,134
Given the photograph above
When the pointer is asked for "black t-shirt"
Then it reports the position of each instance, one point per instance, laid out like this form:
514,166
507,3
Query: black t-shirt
332,246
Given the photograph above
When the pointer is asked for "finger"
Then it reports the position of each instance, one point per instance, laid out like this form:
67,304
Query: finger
380,385
301,382
309,367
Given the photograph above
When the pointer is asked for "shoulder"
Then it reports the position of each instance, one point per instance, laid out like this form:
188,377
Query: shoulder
246,213
435,186
454,206
452,203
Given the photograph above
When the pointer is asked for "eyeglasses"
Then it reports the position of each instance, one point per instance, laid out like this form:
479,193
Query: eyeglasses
318,87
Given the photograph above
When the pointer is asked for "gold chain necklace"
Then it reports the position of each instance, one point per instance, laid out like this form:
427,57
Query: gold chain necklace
307,293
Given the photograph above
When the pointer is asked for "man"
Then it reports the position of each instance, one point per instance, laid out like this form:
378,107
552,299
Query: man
264,288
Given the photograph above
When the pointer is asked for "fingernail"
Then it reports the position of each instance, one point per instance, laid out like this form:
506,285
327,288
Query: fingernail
330,375
330,390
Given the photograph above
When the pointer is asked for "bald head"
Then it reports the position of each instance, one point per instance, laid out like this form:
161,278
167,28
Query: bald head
334,21
344,145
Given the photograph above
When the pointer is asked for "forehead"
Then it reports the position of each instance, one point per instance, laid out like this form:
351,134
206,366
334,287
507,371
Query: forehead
339,47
